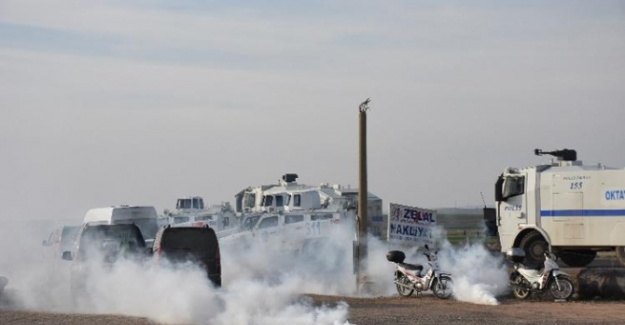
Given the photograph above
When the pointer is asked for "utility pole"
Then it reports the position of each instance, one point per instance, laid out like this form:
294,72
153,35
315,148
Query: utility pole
362,220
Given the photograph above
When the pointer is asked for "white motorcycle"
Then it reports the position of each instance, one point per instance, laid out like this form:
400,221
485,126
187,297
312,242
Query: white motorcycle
524,280
408,277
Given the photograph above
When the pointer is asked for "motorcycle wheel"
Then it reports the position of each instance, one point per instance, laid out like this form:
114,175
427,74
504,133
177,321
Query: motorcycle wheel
520,287
564,292
402,290
442,287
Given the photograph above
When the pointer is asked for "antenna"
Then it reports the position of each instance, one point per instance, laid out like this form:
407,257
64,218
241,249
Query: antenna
482,194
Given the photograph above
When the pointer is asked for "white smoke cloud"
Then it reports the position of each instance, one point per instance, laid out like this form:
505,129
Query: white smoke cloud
256,288
265,279
478,275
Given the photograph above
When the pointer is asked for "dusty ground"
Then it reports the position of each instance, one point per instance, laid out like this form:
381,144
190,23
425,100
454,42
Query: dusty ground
414,310
394,310
431,310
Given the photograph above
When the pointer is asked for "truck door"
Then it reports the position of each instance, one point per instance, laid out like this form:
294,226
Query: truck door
512,208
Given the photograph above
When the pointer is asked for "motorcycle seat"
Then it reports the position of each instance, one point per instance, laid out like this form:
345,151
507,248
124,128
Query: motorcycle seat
412,267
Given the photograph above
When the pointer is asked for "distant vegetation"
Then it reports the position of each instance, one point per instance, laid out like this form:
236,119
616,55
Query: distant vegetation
464,225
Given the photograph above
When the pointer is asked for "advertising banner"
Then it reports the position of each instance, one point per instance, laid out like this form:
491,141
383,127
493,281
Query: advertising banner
410,225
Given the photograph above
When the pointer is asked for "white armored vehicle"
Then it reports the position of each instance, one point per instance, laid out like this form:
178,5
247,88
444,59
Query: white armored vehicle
573,209
299,213
191,212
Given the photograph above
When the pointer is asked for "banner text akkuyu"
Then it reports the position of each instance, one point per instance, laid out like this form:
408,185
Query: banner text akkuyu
410,225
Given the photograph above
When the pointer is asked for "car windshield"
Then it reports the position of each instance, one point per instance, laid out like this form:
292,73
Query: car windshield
148,226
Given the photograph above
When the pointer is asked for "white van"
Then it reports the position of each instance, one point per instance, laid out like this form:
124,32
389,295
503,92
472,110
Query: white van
145,217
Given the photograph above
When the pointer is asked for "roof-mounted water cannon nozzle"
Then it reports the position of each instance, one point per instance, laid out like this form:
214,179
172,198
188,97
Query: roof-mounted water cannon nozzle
289,178
562,155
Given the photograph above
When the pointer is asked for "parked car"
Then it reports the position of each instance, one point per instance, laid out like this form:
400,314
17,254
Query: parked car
100,246
190,244
62,239
145,217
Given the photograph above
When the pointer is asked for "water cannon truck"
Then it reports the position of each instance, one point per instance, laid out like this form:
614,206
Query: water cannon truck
572,209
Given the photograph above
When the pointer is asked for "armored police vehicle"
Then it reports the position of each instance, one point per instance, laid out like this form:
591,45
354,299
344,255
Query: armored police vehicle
573,209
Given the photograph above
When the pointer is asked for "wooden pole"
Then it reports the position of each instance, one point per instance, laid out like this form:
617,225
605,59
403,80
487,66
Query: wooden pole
363,223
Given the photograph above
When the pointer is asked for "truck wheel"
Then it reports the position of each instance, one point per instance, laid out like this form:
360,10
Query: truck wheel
535,247
620,254
577,258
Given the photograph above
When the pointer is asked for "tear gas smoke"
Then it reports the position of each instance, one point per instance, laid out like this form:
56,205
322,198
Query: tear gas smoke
263,279
254,290
478,275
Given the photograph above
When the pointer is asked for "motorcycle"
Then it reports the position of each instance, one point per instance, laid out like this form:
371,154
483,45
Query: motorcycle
408,277
525,280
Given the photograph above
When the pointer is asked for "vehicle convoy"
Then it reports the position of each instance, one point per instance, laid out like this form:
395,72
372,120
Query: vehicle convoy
571,209
298,215
145,217
197,245
98,248
525,280
409,277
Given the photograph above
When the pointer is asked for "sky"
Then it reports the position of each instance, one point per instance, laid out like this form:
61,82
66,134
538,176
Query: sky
142,102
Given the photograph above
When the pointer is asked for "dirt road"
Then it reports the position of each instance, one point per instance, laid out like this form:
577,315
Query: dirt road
394,310
431,310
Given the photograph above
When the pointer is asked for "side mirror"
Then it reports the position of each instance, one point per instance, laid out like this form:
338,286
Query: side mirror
67,255
499,189
427,247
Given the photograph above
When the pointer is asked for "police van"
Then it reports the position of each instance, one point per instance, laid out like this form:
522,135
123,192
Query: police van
145,217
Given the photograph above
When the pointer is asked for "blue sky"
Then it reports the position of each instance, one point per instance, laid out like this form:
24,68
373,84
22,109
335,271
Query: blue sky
141,102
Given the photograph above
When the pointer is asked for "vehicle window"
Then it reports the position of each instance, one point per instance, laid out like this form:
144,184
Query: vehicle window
267,200
148,226
249,200
180,219
268,222
188,239
204,218
288,199
297,200
325,216
293,218
250,222
279,200
184,204
513,186
198,203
